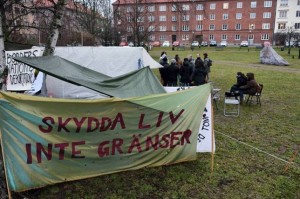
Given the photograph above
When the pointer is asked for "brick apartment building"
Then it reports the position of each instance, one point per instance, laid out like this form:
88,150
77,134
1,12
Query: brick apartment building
188,20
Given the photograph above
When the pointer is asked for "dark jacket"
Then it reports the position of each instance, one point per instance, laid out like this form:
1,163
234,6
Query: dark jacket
251,87
199,74
185,73
172,73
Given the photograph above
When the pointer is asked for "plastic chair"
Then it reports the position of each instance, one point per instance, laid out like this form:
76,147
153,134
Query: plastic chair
257,95
231,105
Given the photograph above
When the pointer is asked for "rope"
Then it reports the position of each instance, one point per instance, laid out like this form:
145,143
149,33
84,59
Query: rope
288,162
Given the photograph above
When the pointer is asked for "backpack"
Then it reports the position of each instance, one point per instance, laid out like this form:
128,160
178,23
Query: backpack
209,63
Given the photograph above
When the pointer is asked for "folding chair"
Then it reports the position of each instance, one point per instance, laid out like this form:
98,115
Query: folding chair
231,105
257,95
216,96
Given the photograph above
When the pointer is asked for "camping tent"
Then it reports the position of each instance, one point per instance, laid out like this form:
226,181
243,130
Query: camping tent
110,61
269,56
140,82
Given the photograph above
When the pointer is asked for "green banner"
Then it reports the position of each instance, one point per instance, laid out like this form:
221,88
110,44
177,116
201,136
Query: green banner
47,140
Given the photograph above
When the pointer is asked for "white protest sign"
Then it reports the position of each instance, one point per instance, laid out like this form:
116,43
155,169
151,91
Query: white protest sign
20,76
206,141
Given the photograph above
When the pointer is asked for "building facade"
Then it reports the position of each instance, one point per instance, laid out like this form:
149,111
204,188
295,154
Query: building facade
188,20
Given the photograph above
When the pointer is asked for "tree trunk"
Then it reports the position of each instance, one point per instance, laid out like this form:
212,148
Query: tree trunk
53,36
2,56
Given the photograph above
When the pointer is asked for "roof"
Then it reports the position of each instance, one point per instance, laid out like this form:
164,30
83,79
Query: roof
140,82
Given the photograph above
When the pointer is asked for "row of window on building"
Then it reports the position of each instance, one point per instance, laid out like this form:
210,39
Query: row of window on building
199,6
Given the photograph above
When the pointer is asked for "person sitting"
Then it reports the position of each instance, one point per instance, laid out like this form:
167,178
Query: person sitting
241,80
250,88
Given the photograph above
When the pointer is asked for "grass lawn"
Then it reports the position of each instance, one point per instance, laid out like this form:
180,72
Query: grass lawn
252,150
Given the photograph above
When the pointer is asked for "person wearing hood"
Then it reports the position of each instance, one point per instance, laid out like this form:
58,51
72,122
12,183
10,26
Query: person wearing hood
163,70
250,88
172,73
241,80
186,72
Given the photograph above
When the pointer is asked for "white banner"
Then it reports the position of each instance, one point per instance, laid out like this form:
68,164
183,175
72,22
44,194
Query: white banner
206,140
20,76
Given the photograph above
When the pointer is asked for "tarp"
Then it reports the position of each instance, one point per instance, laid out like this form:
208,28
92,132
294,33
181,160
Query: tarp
50,140
137,83
111,61
269,56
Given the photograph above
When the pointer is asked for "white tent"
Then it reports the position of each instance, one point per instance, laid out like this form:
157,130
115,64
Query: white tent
111,61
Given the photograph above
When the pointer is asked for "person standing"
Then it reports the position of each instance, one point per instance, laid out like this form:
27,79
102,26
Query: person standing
172,73
207,64
163,70
199,73
185,73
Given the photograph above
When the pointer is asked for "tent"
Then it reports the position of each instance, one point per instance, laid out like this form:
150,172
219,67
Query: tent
110,61
140,82
269,56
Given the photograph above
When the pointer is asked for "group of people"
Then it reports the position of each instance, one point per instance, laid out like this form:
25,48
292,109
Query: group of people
186,72
245,84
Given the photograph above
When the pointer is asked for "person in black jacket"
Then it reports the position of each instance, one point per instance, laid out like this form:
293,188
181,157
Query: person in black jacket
186,73
199,73
172,73
241,80
163,70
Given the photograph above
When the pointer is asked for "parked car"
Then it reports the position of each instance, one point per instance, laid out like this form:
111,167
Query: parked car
195,43
204,43
130,44
244,44
223,43
176,43
155,44
123,43
166,44
212,43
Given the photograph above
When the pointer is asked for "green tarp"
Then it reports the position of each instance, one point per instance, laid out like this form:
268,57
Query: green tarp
141,82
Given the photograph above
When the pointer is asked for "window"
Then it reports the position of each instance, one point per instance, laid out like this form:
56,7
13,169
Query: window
237,37
174,28
174,18
282,13
151,8
162,37
211,27
251,36
151,28
129,9
252,15
297,25
200,6
174,8
140,19
212,6
224,27
239,5
284,2
224,37
185,7
281,26
225,16
185,37
297,13
129,19
141,29
253,4
162,18
265,26
162,28
185,17
238,15
265,37
162,8
225,5
238,26
140,9
151,38
151,18
212,16
211,37
129,29
199,27
267,15
267,4
199,17
251,26
185,28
